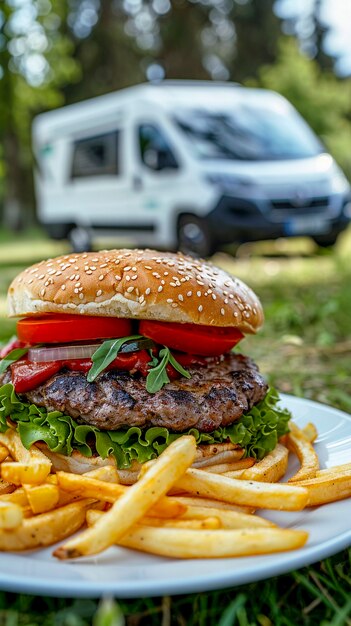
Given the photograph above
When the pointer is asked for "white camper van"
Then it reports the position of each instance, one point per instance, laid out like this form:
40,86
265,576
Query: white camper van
187,165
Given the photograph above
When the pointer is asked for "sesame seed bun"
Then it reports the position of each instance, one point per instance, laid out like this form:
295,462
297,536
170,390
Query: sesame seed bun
139,284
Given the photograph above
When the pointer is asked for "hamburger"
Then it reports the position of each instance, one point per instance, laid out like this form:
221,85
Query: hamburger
119,352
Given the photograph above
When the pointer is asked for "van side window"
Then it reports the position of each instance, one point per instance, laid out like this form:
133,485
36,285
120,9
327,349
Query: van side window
155,151
96,156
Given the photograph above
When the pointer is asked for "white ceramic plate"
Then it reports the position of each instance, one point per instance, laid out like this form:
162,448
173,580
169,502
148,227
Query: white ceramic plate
126,574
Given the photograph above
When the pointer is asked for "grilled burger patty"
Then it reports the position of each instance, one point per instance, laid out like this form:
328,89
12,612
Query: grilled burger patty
215,395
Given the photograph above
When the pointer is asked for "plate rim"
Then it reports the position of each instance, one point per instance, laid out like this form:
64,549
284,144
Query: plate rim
203,583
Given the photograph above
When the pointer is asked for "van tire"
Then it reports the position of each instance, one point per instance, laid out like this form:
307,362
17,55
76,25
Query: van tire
326,240
194,236
80,239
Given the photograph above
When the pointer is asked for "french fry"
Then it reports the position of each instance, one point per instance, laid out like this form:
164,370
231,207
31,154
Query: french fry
248,493
187,501
45,529
337,469
296,442
6,487
190,544
17,497
222,468
271,468
234,474
4,452
10,515
228,519
43,497
84,486
203,523
310,432
32,465
327,488
135,502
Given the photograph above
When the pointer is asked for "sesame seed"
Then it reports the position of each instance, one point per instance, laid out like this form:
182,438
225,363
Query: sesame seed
77,277
72,277
141,299
174,305
147,291
198,293
247,314
103,265
148,267
93,268
117,261
190,293
130,289
127,278
222,311
57,274
235,313
117,277
173,284
30,281
101,277
159,289
165,273
214,297
63,287
163,282
89,272
77,284
226,301
81,296
200,308
134,269
180,297
169,300
76,290
42,292
134,277
98,293
126,269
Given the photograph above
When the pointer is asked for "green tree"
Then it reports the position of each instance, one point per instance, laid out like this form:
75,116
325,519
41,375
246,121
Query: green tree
321,98
258,30
35,61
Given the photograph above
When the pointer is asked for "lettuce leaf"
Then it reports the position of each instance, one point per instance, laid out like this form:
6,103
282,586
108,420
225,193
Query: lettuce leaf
257,431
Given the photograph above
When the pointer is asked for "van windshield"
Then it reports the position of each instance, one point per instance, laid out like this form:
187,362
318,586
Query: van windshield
248,133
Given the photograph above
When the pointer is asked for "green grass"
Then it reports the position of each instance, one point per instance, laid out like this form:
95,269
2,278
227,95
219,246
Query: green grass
303,349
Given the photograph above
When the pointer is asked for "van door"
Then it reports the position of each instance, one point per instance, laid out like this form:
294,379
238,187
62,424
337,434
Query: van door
157,179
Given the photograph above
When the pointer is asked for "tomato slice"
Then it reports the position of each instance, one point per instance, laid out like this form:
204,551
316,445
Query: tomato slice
65,328
27,376
192,338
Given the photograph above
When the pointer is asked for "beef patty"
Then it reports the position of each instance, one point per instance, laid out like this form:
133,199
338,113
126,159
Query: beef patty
215,395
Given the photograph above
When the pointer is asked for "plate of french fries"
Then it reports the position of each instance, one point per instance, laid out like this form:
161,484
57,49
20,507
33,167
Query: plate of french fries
177,529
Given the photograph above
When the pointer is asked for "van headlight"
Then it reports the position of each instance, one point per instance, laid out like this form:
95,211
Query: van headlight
339,182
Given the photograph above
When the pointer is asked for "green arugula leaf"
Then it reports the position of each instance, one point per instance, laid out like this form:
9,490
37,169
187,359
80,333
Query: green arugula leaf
157,376
177,366
12,357
106,353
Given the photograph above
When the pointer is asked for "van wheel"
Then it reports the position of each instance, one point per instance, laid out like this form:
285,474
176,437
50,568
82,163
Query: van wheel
80,239
194,236
326,241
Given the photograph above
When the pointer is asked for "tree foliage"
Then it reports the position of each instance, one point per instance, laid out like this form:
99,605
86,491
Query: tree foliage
321,98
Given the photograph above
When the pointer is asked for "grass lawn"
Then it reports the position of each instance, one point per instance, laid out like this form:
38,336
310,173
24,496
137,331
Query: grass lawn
304,349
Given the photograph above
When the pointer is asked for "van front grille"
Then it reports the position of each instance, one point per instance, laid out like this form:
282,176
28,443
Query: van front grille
309,203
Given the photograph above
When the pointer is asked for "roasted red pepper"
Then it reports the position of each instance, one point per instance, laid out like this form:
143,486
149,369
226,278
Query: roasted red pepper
27,375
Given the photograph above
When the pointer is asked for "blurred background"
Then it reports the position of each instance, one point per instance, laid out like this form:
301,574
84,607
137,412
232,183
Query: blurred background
245,154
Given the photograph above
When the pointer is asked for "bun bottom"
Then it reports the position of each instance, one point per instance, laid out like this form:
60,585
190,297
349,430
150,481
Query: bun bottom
206,455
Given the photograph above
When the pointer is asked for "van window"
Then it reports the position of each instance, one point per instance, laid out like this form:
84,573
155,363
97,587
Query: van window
248,132
155,151
96,156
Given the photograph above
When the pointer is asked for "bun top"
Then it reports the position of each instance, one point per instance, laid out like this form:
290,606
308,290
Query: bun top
140,284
